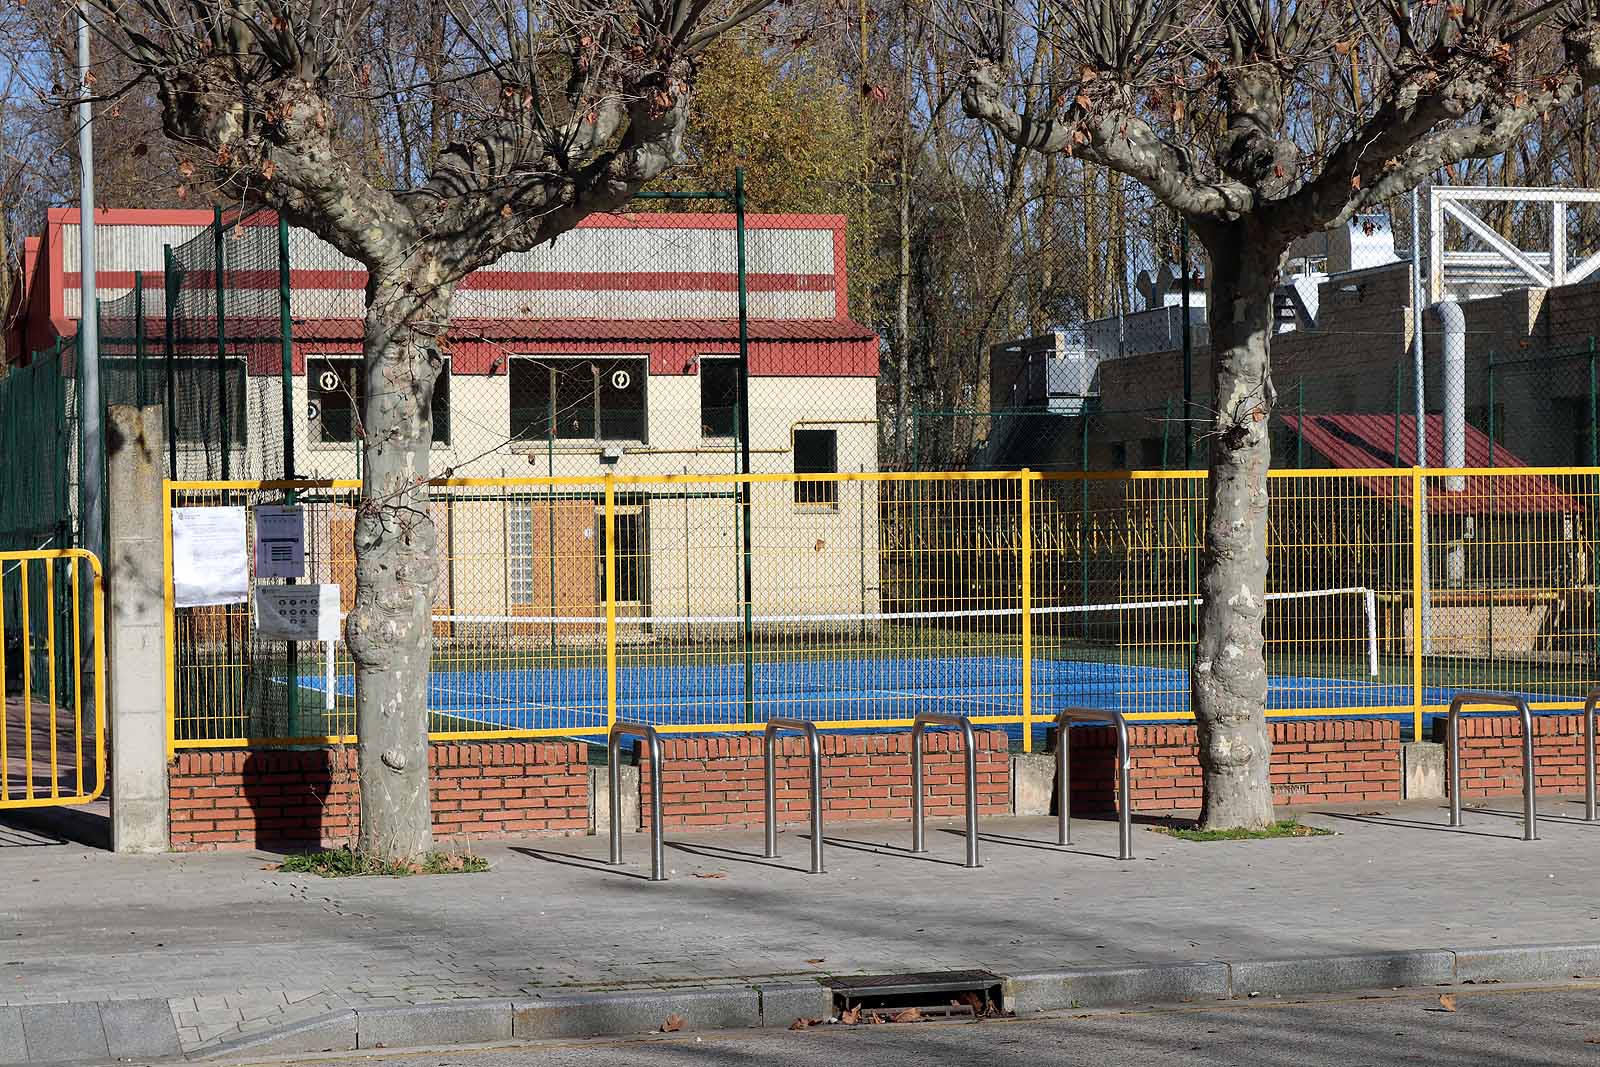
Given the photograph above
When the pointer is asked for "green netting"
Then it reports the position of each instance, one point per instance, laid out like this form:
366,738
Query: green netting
38,453
38,461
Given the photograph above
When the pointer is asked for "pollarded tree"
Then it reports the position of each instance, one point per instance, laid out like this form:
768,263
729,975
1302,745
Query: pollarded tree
553,110
1261,121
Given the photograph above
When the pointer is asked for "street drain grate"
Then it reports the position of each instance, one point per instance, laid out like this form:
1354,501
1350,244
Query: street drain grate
933,993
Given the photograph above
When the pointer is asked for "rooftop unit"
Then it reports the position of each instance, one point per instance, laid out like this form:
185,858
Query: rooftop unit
1053,372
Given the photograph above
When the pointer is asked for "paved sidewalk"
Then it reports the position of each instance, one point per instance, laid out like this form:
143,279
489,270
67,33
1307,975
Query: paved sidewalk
235,948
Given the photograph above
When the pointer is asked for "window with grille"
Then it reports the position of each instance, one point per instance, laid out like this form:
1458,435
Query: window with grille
338,390
578,399
719,398
816,452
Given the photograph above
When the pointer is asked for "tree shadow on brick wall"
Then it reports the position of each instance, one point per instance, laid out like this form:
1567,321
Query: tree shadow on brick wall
299,799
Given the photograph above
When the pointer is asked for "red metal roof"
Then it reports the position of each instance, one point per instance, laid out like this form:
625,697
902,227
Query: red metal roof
1353,441
620,329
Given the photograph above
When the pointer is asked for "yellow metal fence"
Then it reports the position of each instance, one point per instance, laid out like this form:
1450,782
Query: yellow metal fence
706,603
52,678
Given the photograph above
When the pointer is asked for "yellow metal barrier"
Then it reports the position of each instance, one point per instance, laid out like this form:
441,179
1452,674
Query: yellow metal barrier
52,746
711,602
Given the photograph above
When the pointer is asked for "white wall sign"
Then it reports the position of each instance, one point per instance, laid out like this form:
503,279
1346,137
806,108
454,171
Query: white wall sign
298,612
280,541
210,564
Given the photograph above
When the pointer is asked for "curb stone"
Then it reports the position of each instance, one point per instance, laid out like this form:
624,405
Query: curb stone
1106,987
1326,974
89,1032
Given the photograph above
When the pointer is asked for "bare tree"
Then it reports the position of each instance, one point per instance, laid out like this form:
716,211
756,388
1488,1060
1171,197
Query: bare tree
1250,119
550,110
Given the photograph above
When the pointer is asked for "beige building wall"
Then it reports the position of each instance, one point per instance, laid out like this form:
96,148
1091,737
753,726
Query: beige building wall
536,551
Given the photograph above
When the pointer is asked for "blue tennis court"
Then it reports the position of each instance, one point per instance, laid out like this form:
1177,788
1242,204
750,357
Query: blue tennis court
844,689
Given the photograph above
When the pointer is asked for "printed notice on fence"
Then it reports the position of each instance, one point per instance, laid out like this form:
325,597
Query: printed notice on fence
298,612
210,564
280,541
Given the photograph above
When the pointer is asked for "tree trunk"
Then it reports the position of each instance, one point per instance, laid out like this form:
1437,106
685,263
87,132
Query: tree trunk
1229,680
389,631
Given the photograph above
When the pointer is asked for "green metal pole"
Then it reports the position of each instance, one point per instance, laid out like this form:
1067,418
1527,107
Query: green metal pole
1491,416
1300,424
222,341
66,445
744,451
1083,522
1399,388
1489,535
550,500
170,284
1166,428
1594,461
138,338
286,378
286,349
1594,393
1188,348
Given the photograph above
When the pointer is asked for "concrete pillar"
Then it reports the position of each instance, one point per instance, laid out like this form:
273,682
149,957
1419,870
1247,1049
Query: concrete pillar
136,601
1424,770
1033,783
600,805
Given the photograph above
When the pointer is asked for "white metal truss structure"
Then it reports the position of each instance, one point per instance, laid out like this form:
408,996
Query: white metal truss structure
1451,271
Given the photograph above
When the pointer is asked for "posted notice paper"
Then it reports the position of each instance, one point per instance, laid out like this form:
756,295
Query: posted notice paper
280,541
298,612
210,563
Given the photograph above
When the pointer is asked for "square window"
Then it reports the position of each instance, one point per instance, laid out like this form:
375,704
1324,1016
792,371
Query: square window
338,390
816,452
719,398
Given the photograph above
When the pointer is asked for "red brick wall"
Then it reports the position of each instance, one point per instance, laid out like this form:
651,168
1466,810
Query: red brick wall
717,781
249,799
1491,754
1329,761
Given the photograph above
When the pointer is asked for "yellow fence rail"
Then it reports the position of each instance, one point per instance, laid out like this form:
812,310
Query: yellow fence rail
52,678
564,604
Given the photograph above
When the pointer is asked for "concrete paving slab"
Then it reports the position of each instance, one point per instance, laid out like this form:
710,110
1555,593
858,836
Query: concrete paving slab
64,1033
13,1046
139,1029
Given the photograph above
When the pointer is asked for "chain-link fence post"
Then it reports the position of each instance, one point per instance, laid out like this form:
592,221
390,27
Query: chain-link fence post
219,276
169,279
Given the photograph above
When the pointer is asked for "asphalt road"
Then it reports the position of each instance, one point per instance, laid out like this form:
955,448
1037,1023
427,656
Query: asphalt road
1548,1027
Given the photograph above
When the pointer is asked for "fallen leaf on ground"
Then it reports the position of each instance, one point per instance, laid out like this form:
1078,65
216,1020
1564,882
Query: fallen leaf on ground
710,874
873,1019
850,1016
910,1015
1372,813
1447,1002
673,1024
819,959
801,1024
969,999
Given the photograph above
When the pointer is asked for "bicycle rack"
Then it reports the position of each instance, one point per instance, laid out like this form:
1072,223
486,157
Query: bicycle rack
1590,706
969,746
814,748
614,768
1530,814
1064,776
